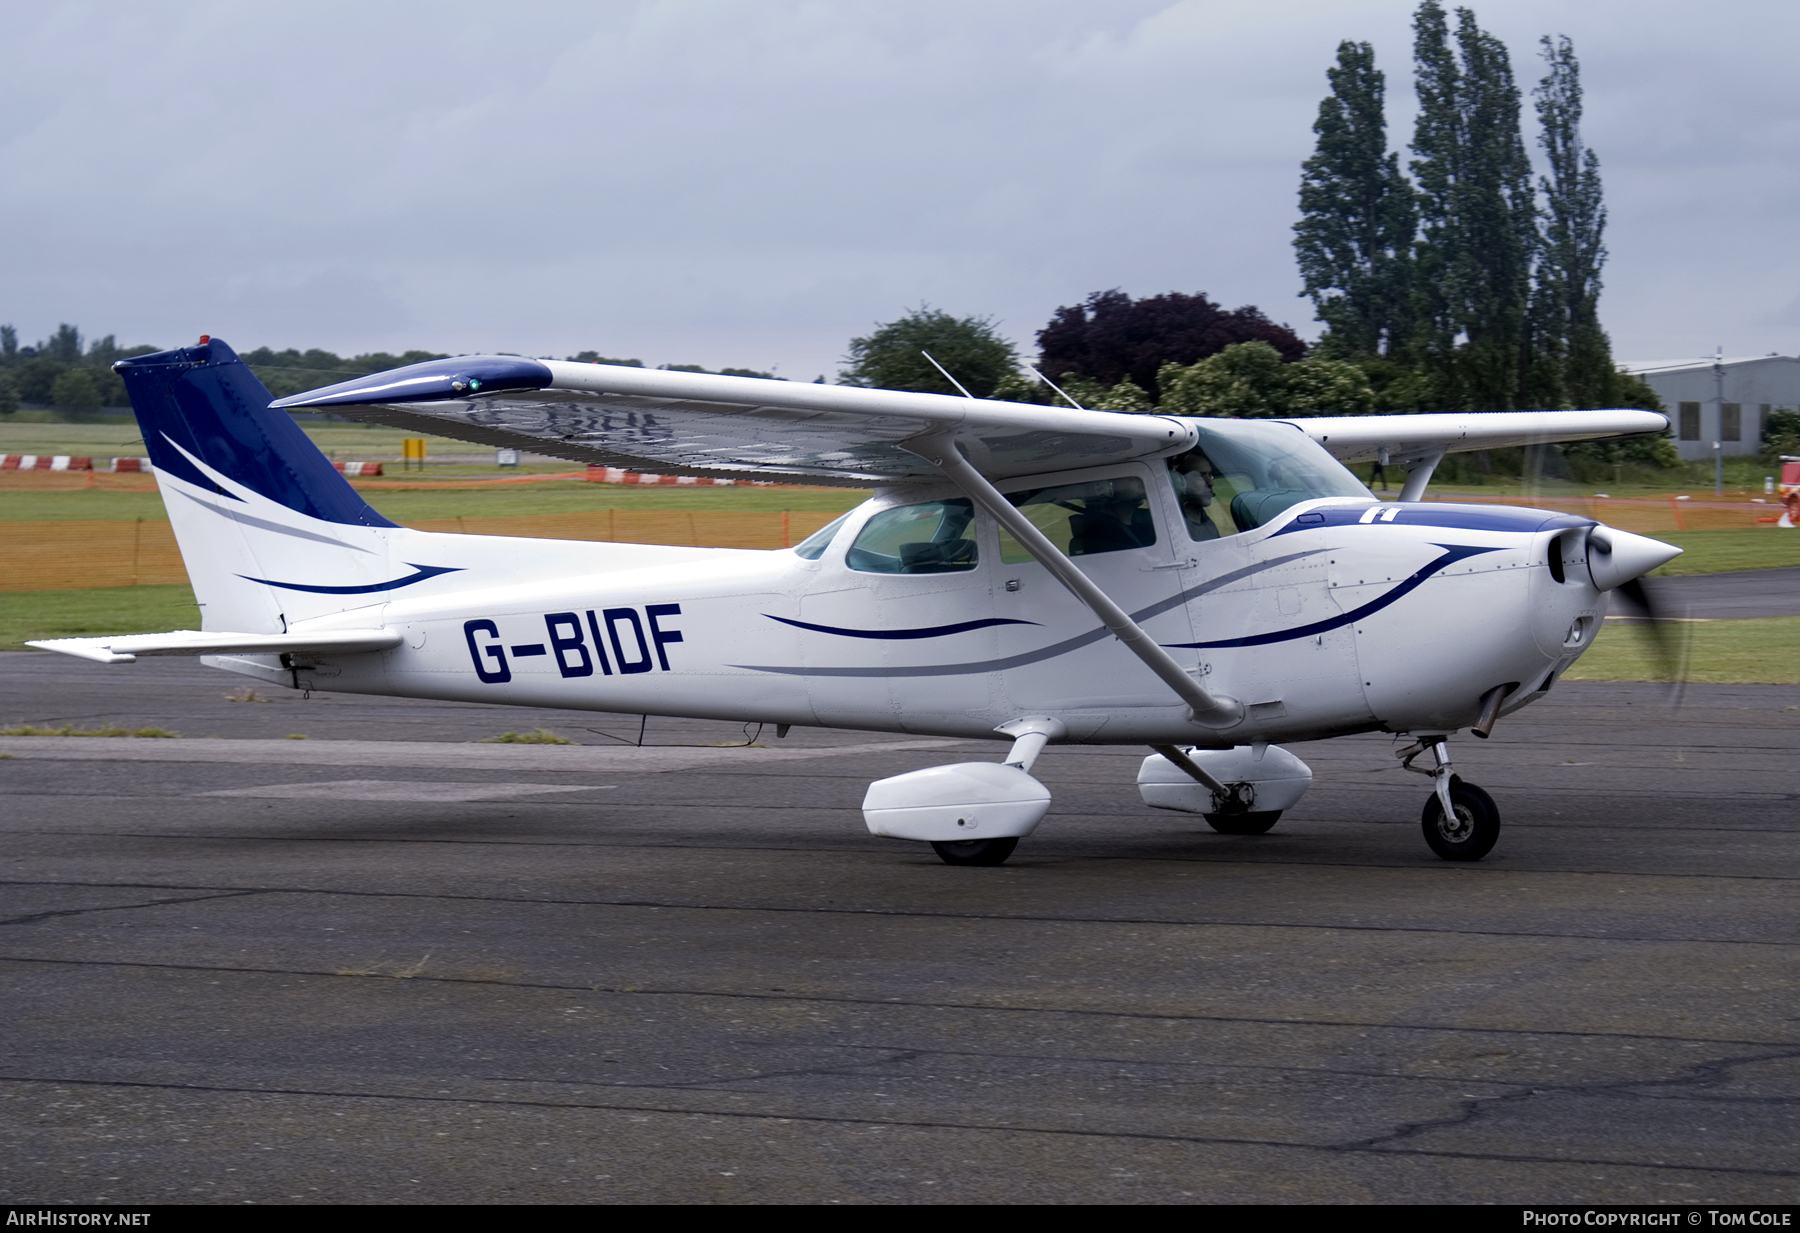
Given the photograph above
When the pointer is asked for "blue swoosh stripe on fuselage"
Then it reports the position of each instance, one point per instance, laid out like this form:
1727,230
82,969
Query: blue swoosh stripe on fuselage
425,571
1054,649
1510,518
1452,554
935,631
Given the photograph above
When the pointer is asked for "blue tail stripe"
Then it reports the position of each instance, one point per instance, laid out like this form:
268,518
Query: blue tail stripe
204,400
424,572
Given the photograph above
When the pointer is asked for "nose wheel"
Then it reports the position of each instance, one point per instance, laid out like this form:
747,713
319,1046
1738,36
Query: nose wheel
1461,822
975,851
1469,833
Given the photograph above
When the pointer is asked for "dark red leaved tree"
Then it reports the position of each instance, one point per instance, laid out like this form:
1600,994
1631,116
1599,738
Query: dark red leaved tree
1113,336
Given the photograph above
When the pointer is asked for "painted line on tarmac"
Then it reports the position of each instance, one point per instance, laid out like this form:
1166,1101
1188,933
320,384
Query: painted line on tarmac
434,755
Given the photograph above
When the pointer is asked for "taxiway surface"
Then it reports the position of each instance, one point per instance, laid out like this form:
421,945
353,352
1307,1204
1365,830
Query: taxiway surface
388,965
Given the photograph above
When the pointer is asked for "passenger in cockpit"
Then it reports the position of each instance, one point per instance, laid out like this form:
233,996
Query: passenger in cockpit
1192,477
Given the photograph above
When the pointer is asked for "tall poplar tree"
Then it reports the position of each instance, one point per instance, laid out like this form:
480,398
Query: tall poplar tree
1355,234
1567,308
1477,212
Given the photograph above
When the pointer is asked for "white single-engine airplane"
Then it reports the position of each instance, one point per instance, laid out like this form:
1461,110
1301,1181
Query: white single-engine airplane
1204,587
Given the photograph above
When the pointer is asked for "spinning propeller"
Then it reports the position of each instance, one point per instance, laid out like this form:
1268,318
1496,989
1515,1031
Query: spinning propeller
1611,554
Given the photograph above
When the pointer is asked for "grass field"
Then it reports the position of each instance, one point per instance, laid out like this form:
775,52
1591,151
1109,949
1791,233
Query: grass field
81,614
1717,552
1704,552
549,497
1764,651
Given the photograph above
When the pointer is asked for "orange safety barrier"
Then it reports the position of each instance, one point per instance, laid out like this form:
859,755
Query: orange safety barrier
1642,515
63,481
61,556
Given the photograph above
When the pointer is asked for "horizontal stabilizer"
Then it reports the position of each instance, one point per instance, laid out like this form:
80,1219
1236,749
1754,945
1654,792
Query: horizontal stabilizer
125,648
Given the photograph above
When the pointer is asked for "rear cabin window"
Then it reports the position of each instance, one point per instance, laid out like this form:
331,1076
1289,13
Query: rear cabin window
934,537
1110,515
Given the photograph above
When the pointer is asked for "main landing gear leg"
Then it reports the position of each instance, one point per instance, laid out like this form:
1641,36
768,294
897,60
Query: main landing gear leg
1461,822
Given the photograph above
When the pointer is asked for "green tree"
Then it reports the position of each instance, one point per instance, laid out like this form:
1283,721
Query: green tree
9,393
1250,381
9,346
1780,435
1567,300
1358,217
594,357
892,358
75,392
37,378
1477,212
64,346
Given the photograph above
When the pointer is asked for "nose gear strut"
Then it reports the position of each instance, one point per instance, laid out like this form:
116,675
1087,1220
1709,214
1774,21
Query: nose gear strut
1461,822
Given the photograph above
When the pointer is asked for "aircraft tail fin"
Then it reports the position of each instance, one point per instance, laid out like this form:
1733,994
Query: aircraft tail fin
273,536
251,498
202,410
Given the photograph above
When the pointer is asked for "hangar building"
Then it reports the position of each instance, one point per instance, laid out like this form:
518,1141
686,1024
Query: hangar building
1723,400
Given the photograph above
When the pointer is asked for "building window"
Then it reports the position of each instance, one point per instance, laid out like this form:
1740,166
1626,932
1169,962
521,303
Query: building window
1690,421
1731,421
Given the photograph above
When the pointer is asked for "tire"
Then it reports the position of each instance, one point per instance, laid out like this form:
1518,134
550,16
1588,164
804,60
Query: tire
975,851
1476,828
1243,823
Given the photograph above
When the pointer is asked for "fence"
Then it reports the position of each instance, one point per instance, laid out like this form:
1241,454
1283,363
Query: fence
1646,515
60,556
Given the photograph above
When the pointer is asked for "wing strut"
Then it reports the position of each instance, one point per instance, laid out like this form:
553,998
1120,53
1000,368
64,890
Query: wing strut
942,453
1418,474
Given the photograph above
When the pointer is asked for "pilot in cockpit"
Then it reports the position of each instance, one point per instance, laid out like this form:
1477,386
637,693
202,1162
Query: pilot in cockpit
1191,475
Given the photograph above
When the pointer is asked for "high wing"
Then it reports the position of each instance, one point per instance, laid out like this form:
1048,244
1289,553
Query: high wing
1403,439
747,427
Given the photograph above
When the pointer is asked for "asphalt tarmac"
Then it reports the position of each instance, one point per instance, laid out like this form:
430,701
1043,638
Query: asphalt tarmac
386,964
1721,597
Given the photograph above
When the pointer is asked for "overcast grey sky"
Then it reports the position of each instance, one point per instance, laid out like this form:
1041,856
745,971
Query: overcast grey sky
753,183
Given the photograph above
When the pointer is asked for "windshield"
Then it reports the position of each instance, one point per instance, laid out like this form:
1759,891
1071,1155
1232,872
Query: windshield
1242,473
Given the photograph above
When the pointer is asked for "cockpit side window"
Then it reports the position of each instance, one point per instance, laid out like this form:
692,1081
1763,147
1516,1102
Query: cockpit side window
933,537
1109,515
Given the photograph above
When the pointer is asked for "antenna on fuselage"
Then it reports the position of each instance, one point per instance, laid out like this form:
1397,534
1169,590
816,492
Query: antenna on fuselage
1053,385
946,372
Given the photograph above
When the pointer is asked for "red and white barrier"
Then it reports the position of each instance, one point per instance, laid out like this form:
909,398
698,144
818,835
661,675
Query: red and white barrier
358,468
44,462
132,464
